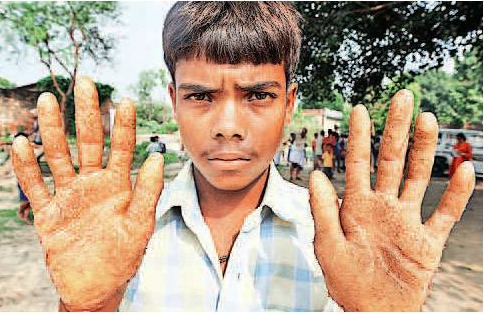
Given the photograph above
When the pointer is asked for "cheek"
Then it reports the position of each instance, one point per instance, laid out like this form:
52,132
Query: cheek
192,132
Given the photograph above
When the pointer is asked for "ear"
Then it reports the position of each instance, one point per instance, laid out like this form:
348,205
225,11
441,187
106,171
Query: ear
291,99
172,92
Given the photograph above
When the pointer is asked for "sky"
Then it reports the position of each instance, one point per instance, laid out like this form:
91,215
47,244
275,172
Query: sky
139,48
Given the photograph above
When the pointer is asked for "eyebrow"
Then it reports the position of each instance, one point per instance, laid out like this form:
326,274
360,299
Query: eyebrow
259,86
197,88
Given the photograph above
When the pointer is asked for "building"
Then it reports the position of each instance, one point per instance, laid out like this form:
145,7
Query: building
15,106
327,118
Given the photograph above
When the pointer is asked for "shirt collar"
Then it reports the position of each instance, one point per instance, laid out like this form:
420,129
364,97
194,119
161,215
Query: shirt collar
286,200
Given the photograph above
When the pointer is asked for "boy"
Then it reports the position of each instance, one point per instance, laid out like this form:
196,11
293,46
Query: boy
230,233
328,161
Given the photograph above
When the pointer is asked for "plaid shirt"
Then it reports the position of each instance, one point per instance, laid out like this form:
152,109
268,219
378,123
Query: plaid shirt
272,265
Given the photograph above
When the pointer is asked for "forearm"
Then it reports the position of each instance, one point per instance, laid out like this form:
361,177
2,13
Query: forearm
111,305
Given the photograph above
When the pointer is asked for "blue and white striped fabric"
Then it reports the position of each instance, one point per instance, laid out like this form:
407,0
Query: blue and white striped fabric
272,265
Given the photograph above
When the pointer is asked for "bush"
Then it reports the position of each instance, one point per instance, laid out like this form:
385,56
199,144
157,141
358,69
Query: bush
153,126
169,126
140,155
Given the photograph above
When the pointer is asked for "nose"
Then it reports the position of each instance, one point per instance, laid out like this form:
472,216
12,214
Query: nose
229,122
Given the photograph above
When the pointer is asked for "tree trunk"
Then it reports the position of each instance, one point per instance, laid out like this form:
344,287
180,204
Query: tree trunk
62,105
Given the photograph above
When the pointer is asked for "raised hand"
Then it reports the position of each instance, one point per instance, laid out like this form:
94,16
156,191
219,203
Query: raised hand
374,250
94,230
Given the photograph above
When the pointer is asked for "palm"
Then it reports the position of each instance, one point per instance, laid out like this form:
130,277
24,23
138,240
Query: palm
95,228
375,252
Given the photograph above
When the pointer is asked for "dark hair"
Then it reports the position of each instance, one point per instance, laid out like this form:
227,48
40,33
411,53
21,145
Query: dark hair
21,134
322,132
316,134
462,136
233,32
154,138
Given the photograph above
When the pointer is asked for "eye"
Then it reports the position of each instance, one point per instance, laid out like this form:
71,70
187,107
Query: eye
259,96
198,97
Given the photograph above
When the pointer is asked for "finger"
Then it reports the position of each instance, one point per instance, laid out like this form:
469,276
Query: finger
325,209
55,144
28,174
391,157
453,202
124,138
358,151
90,136
421,158
147,190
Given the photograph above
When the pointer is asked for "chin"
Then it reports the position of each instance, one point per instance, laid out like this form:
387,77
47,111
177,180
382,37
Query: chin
231,180
235,183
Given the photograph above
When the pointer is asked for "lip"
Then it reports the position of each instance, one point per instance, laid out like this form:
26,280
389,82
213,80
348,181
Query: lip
228,160
228,156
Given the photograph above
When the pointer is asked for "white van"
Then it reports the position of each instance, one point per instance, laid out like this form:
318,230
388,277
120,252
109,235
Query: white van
443,154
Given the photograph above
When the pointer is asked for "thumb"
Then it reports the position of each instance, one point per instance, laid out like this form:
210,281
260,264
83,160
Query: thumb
147,190
325,209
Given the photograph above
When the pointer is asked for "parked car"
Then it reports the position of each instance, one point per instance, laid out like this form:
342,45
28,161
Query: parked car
443,154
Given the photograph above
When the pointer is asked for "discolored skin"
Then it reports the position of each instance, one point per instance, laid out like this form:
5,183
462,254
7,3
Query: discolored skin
95,229
375,252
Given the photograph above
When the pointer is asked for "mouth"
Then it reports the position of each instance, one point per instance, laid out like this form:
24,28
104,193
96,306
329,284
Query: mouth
228,160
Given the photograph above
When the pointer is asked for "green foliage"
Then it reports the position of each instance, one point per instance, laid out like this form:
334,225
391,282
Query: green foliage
146,107
140,155
9,220
61,34
53,29
379,109
351,46
167,127
334,102
47,85
455,99
298,121
6,84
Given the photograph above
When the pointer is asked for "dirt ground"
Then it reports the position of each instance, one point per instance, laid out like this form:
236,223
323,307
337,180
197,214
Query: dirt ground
25,283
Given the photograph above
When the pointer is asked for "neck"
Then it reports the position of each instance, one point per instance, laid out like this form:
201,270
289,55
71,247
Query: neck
219,204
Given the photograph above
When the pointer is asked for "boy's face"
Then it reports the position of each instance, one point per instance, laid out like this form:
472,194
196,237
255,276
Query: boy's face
231,117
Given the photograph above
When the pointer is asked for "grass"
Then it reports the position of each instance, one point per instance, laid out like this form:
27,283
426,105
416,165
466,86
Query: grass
9,220
6,189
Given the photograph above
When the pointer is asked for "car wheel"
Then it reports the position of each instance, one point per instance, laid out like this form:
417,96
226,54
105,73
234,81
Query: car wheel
440,166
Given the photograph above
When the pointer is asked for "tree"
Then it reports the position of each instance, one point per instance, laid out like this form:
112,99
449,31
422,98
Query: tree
147,108
352,46
62,34
47,85
456,99
6,84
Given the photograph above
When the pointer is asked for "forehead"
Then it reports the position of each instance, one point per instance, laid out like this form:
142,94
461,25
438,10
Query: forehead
198,70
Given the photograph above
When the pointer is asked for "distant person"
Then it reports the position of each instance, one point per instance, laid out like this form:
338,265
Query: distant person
154,146
290,142
298,154
278,157
376,147
24,209
337,152
36,137
319,150
461,152
328,161
162,145
313,146
330,140
181,153
342,146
